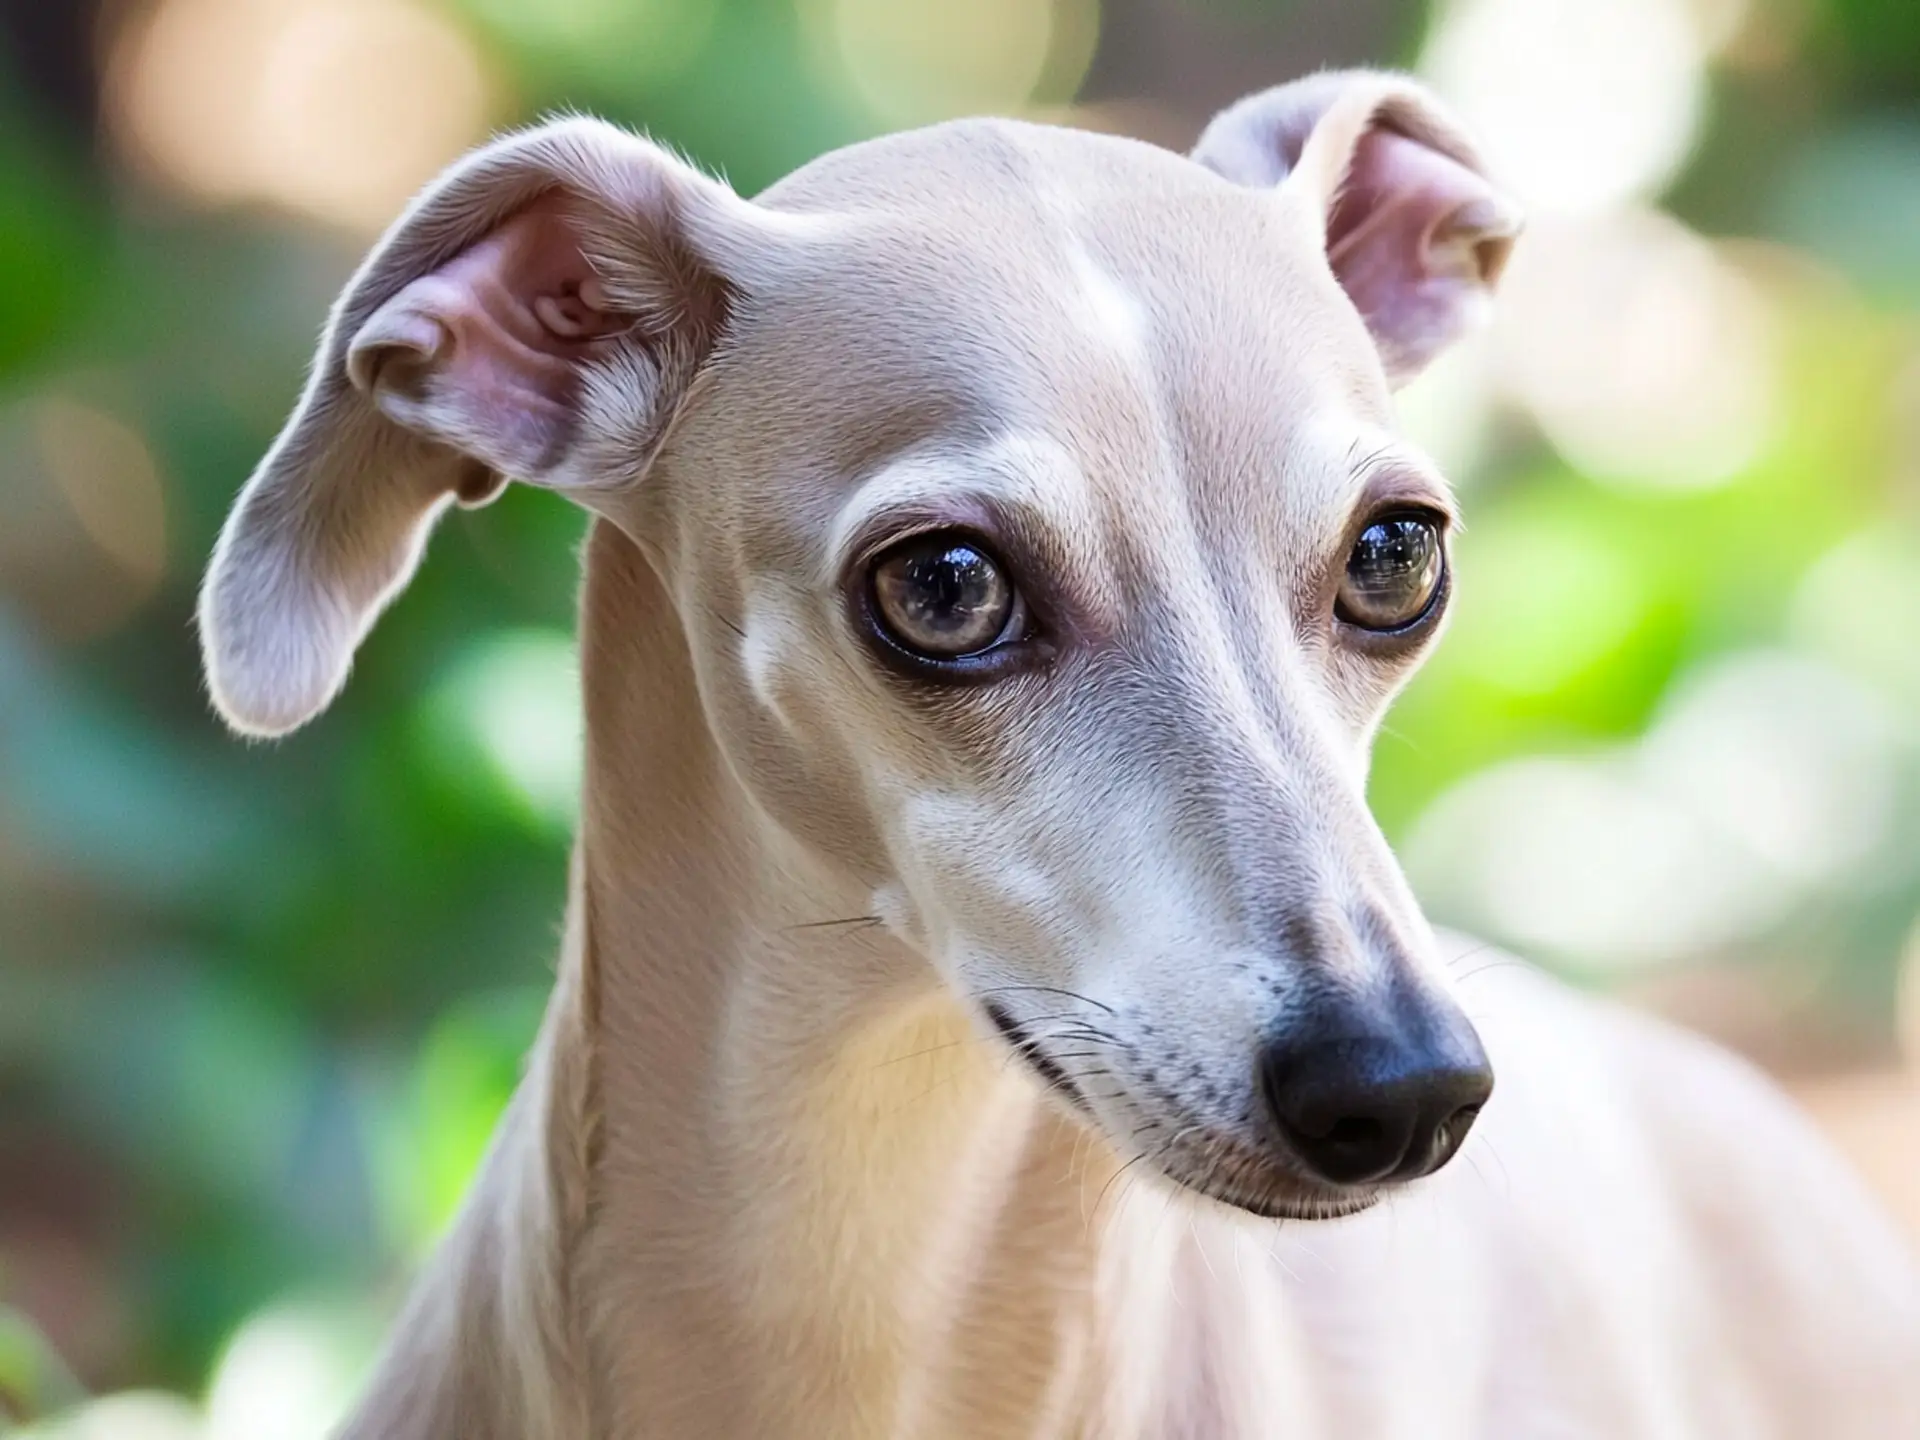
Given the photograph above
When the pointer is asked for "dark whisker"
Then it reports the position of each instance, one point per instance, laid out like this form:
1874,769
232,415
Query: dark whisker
1075,1031
824,924
1052,990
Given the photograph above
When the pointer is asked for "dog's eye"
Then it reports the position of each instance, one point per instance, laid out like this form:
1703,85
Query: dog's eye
1393,573
943,597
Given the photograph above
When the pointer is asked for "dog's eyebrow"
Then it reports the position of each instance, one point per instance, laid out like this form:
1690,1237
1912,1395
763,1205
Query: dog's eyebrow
1389,470
1016,474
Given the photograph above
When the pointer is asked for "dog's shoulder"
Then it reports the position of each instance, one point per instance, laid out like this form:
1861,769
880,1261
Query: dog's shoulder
1652,1152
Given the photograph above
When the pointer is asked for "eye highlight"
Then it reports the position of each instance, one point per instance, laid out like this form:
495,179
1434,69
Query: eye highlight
943,597
1393,573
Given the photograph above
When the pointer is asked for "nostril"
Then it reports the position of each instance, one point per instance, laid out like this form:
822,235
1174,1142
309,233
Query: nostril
1351,1149
1451,1135
1354,1148
1342,1128
1445,1121
1354,1133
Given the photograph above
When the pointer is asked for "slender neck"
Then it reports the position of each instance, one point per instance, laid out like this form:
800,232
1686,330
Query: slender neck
799,1134
763,1177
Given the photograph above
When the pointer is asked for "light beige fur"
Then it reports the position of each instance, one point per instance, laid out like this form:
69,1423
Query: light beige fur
770,1174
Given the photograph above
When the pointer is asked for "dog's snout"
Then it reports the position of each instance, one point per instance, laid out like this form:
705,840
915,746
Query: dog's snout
1360,1104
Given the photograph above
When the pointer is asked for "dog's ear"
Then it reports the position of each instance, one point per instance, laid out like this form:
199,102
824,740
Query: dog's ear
537,314
1414,231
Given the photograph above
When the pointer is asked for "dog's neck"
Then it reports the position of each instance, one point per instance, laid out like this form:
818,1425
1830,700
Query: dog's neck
788,1111
759,1162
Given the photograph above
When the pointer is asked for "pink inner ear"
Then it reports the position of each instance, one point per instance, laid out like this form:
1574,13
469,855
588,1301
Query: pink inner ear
485,351
1417,239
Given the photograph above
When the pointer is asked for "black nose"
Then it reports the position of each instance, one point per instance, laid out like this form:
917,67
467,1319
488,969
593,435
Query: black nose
1393,1102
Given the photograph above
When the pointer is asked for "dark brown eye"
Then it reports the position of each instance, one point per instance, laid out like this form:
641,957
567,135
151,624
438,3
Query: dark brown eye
1393,573
942,597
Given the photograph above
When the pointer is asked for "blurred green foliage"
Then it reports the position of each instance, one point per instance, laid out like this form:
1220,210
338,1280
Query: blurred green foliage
260,1005
33,1380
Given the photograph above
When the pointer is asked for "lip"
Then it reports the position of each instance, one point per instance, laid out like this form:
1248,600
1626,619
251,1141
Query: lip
1247,1174
1268,1192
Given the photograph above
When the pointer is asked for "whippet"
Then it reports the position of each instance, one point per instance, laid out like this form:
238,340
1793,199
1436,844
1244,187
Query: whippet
984,985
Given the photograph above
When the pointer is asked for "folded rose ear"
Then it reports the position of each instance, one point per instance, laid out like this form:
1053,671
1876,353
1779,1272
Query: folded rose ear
537,315
1415,233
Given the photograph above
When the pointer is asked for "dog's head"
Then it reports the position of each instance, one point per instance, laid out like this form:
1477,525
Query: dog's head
1044,547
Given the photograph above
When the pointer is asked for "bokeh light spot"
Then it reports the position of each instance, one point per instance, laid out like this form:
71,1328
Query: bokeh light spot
83,547
1579,105
915,61
1575,860
109,477
1764,777
289,1373
338,109
511,705
1646,357
1854,597
1792,761
130,1415
631,41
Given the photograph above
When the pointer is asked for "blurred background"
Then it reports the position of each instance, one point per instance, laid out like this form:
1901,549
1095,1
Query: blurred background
260,1006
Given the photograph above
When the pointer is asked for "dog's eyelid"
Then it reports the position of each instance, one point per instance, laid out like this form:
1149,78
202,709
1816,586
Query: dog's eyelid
1406,489
883,538
1387,470
1019,546
1418,506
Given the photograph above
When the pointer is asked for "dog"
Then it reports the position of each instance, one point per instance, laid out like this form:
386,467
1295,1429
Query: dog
984,989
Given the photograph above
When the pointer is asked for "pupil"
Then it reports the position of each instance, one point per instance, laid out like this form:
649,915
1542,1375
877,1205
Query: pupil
949,587
1391,553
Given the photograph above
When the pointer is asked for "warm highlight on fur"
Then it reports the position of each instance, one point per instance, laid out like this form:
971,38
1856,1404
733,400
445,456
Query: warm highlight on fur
773,1171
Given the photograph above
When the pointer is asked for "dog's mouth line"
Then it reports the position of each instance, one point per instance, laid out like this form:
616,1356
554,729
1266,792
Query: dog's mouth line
1227,1171
1037,1059
1263,1202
